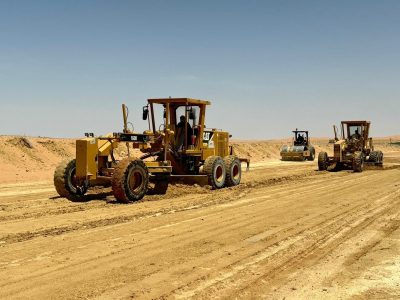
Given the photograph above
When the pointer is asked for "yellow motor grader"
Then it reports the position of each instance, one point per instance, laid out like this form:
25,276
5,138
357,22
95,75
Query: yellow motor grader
353,150
181,146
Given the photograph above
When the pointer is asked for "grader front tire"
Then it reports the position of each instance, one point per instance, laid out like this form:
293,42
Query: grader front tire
312,155
376,157
323,161
130,180
64,181
358,162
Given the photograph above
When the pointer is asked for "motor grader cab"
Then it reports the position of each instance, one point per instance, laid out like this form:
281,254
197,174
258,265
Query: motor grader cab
180,146
301,148
353,150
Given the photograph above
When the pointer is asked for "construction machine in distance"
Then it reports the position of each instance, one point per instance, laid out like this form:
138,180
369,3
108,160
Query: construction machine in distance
181,146
301,148
353,150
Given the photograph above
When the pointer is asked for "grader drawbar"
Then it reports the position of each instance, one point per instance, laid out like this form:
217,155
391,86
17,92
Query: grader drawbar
181,146
353,150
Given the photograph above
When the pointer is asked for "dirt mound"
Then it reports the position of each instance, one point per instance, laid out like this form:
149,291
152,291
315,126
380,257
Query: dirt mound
21,142
32,158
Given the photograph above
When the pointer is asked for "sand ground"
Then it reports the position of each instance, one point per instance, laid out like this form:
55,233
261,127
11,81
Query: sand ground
287,232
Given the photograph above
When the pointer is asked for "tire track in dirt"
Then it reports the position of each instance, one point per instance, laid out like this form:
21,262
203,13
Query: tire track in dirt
156,284
193,241
208,200
335,233
106,222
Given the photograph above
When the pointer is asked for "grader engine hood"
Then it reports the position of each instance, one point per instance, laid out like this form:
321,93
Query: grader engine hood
338,148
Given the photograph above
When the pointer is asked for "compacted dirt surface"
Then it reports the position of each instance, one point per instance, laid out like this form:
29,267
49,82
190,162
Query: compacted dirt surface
287,232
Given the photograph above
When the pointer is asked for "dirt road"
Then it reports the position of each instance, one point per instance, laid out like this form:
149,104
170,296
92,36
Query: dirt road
288,232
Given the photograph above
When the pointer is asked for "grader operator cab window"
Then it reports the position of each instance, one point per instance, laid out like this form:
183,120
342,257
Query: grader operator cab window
354,132
186,118
300,138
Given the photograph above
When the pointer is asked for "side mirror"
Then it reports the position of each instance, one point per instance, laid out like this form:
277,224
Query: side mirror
145,113
192,114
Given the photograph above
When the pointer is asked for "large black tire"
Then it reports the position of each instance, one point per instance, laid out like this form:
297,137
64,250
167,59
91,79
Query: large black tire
312,155
64,181
358,162
376,157
323,161
214,167
130,180
373,156
233,170
380,157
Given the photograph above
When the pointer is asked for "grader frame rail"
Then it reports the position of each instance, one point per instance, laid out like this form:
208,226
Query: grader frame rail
174,149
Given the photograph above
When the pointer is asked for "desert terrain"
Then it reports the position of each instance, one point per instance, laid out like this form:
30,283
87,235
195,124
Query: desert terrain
287,232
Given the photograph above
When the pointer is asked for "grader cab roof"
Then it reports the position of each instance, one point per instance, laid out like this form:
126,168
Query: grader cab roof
300,131
182,101
356,122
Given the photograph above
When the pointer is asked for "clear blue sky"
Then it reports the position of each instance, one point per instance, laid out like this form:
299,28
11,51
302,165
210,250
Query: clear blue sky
268,66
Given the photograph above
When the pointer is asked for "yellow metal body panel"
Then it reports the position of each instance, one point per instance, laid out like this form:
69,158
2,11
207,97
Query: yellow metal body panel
105,147
222,143
193,152
151,164
215,143
338,148
86,158
159,166
207,153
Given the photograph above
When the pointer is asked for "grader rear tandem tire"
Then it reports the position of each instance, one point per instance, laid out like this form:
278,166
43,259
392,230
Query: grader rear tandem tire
215,169
233,170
